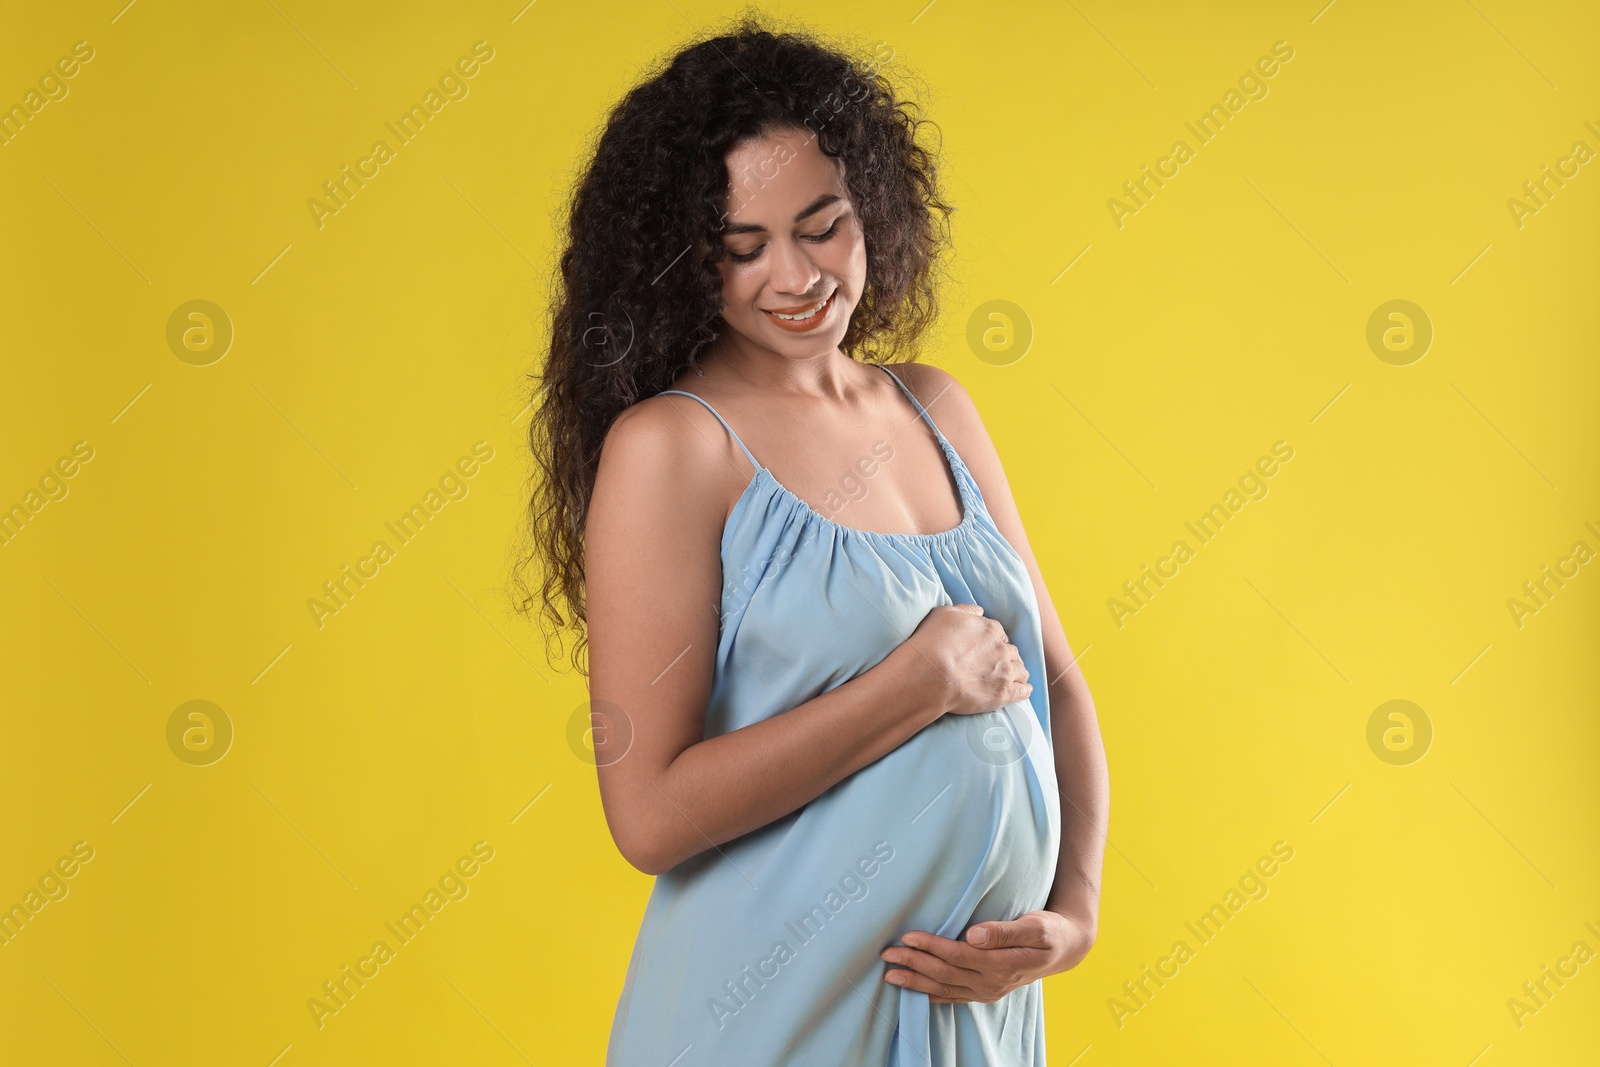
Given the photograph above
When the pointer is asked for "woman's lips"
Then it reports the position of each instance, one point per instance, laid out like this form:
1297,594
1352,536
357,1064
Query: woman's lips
807,324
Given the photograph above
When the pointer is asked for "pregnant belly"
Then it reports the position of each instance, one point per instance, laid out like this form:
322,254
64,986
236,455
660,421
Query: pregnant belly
743,946
974,824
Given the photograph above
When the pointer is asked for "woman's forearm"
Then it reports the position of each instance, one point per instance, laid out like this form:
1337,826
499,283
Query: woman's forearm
1084,782
726,786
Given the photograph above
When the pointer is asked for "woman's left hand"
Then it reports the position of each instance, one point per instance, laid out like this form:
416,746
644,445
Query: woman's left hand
996,957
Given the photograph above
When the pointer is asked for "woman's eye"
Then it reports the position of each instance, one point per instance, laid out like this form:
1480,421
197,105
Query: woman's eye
825,234
817,238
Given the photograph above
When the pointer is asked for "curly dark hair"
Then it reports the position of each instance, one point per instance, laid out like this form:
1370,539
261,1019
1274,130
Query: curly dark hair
638,295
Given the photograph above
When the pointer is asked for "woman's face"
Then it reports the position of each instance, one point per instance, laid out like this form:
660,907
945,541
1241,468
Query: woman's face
793,242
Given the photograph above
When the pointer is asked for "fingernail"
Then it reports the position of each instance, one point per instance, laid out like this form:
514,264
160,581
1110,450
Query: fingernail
977,936
893,976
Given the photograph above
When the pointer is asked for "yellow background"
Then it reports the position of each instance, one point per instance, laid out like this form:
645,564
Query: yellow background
370,354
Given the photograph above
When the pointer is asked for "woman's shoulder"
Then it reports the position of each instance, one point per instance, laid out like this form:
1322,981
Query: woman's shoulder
927,378
664,428
650,438
943,396
666,454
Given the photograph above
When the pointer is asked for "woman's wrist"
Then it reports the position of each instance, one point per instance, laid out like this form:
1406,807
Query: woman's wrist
1085,913
919,682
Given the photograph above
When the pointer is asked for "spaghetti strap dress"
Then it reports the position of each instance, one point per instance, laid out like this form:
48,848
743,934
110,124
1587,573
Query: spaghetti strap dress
764,950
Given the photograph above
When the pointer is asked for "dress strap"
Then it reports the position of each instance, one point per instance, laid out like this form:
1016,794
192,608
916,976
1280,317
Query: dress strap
912,397
720,419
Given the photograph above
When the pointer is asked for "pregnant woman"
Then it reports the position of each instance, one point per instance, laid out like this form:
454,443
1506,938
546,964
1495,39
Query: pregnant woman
834,711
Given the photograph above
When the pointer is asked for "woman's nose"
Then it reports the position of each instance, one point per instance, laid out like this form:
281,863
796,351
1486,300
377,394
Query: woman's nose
793,272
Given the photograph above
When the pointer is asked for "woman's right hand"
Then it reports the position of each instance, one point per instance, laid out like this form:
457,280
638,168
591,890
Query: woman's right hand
969,660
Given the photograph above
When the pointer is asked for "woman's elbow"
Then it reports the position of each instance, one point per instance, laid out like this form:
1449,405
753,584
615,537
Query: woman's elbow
643,832
644,861
642,847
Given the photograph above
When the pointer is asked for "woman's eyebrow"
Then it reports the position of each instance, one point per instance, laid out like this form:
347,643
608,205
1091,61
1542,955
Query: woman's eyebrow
810,209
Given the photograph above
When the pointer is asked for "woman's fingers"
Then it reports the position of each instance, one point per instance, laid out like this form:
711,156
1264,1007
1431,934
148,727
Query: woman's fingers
931,966
938,992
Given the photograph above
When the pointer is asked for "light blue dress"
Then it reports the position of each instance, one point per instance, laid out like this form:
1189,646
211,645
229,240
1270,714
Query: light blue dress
765,950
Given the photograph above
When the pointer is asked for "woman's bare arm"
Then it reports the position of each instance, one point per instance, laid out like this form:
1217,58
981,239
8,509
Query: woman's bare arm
654,581
1081,771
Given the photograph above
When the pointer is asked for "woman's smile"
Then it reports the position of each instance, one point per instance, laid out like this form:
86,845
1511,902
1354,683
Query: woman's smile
803,318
